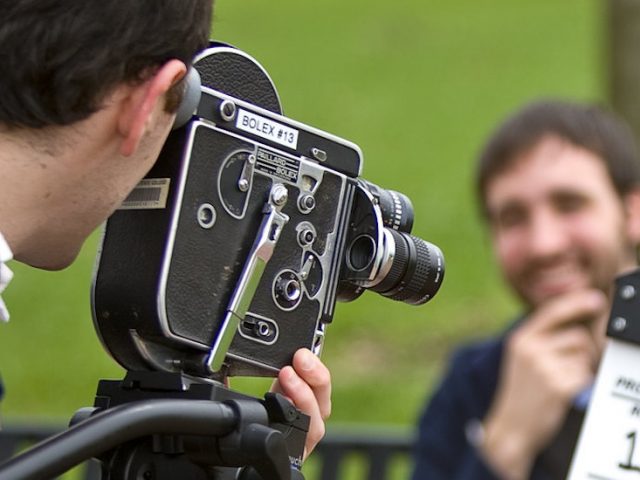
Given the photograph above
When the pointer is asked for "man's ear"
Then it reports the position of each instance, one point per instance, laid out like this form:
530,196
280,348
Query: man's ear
632,210
139,106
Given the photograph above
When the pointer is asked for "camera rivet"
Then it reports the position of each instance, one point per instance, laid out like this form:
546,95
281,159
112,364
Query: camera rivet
206,215
279,195
627,292
290,290
306,237
263,329
308,202
619,324
228,110
243,185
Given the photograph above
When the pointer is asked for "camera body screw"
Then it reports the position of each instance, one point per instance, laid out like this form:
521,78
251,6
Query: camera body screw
619,324
627,292
228,110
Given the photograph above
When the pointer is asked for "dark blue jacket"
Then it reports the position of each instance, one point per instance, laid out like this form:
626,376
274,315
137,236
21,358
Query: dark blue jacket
465,395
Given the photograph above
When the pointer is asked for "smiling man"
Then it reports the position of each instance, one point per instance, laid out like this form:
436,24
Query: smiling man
559,186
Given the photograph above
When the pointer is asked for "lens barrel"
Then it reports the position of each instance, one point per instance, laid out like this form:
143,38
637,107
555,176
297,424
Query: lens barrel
396,208
416,271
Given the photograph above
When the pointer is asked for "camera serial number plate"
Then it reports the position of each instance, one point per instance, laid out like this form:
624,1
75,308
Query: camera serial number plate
609,444
267,128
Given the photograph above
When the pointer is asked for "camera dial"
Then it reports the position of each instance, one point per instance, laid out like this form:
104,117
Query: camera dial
287,290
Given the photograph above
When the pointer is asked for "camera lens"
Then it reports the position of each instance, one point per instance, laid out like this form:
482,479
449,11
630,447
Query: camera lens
415,272
397,211
396,208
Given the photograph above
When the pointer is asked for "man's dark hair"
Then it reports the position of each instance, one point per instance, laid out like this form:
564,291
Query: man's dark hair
60,58
588,126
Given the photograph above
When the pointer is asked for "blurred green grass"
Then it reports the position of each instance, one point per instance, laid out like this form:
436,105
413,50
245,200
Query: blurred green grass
418,85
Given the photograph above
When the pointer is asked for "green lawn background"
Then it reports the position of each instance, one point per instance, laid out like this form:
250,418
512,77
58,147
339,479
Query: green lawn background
418,85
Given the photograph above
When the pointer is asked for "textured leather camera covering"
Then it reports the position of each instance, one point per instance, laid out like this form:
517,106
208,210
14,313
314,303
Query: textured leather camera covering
232,72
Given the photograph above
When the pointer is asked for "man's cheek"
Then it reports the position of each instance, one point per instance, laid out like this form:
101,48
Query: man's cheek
510,257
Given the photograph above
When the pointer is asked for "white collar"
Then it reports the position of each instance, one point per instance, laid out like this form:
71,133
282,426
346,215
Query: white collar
5,275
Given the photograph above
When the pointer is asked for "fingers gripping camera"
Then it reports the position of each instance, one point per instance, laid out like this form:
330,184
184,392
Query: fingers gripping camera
231,253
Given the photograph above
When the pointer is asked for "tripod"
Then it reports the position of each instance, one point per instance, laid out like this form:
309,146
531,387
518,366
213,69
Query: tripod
161,426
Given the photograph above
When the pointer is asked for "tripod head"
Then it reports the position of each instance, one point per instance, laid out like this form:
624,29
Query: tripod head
268,435
157,426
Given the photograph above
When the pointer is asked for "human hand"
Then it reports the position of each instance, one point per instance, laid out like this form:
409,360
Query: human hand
307,383
547,361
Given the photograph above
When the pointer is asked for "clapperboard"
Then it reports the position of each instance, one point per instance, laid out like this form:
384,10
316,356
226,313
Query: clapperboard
609,443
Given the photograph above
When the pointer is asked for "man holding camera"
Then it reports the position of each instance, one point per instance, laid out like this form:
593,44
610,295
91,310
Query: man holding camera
559,186
89,94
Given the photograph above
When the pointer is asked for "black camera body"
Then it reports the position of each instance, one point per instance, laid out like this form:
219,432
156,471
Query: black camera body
231,253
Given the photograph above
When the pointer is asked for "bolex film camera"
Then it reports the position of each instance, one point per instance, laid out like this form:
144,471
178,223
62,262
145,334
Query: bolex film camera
227,258
231,253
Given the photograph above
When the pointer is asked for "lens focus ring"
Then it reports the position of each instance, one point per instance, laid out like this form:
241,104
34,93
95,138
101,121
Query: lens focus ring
422,270
428,274
398,260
